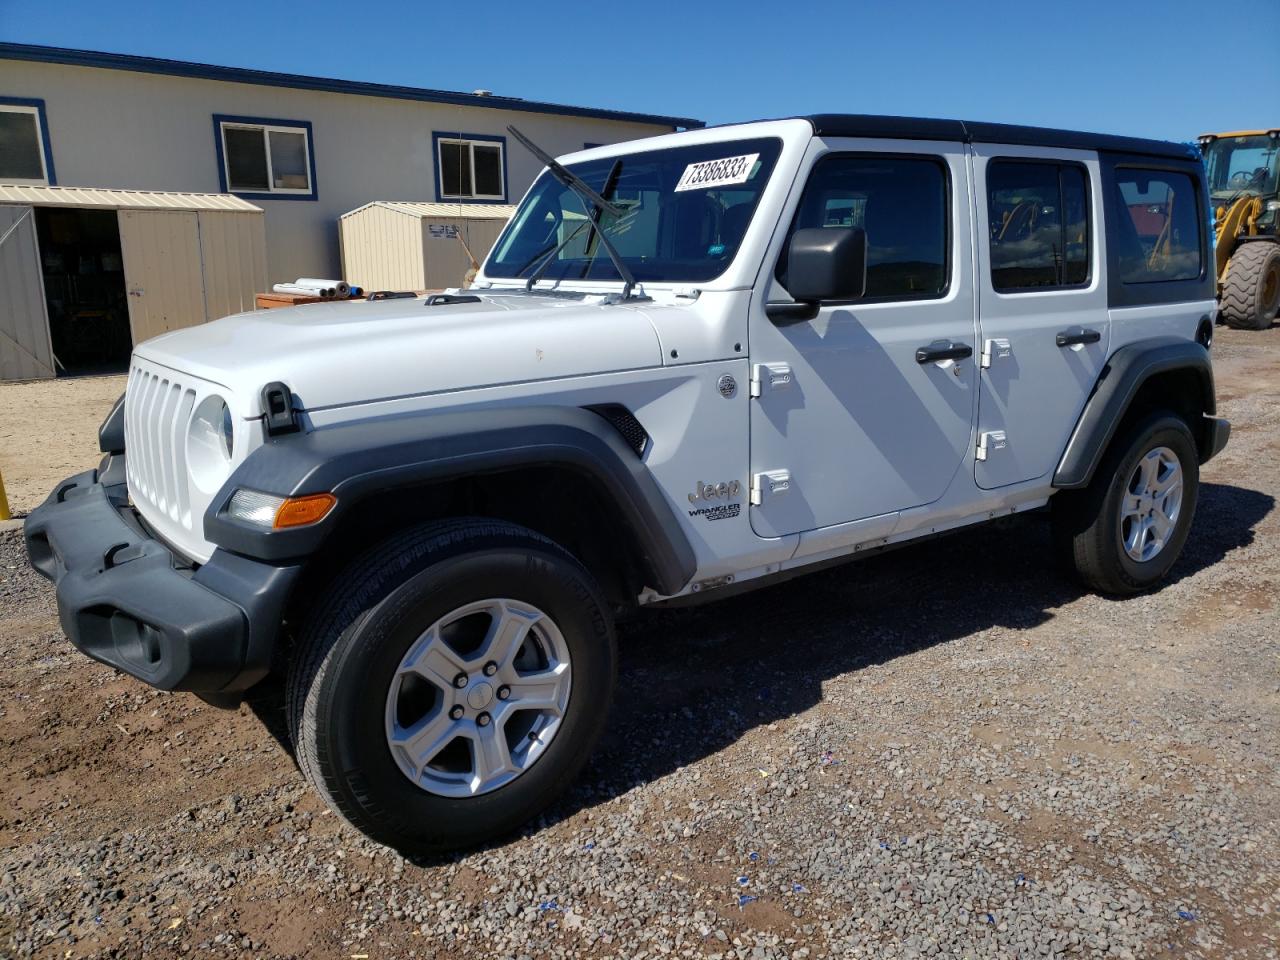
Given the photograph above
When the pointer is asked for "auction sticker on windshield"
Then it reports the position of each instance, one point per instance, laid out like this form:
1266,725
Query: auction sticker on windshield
717,173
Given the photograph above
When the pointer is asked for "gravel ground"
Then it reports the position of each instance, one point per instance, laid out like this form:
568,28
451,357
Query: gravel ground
946,751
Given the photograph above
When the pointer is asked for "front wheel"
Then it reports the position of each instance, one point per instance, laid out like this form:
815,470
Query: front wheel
455,680
1123,532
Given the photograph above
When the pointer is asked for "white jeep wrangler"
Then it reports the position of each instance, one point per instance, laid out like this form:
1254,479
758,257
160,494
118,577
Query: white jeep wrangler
691,365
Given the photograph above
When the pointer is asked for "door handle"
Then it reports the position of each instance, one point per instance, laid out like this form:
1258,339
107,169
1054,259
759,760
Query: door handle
943,350
1069,338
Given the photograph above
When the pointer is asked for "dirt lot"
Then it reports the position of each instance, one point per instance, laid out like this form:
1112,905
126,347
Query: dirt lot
946,751
48,431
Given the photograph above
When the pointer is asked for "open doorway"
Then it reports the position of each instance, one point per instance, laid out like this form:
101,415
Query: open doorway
84,287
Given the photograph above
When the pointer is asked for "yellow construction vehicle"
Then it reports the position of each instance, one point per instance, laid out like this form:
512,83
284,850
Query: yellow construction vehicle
1244,188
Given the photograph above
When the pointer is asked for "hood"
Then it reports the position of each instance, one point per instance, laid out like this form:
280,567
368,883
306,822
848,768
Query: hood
336,353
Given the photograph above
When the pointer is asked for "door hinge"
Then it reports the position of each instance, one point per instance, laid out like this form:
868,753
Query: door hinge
997,348
770,483
769,376
990,442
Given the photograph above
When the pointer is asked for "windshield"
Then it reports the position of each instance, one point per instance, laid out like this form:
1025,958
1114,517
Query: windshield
1242,165
684,212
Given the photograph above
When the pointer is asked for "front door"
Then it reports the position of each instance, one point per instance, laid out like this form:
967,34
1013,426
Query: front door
868,408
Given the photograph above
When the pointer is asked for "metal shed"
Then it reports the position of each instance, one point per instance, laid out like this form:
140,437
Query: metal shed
86,273
406,245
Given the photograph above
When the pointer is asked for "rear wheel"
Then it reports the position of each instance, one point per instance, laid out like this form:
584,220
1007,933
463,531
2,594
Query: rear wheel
1251,291
1123,532
454,682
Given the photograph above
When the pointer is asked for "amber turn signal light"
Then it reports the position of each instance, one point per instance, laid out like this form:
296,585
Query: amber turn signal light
300,511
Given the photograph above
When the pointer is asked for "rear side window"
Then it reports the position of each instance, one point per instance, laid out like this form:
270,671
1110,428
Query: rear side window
1158,236
901,203
1038,214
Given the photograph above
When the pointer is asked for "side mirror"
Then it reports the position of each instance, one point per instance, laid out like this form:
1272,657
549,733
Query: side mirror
823,263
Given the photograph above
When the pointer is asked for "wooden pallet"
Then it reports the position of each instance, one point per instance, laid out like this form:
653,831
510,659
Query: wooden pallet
270,301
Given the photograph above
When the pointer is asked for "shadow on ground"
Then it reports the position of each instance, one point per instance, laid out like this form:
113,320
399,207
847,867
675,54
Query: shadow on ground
694,680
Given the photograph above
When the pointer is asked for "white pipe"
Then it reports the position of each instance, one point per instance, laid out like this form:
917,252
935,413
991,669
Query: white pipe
340,287
325,293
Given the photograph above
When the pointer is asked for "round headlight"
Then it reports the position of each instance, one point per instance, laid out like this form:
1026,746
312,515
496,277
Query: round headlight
210,440
228,430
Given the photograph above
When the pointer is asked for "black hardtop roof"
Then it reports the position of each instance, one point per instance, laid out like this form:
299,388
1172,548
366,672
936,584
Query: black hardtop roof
977,131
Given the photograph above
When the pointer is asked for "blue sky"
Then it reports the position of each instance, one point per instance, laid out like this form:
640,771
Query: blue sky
1117,66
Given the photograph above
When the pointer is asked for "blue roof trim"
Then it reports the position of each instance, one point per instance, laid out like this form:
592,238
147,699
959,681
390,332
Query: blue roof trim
205,71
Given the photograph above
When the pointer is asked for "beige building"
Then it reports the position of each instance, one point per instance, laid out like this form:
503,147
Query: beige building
304,150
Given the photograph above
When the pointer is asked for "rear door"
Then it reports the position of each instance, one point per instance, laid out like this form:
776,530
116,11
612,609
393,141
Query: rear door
846,413
1042,304
163,277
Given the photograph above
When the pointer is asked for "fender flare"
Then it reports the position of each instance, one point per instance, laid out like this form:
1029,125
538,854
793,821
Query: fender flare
111,432
365,458
1119,382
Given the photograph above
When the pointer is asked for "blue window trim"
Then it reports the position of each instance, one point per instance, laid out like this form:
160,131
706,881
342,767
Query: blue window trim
437,136
220,118
43,118
591,146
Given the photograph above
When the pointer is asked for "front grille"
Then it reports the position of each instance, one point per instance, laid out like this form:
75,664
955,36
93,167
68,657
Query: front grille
157,411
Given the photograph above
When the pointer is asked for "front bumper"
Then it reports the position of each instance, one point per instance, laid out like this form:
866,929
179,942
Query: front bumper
126,599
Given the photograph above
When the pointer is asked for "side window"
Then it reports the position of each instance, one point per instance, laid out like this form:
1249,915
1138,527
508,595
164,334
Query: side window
1159,229
266,157
901,203
1038,215
24,143
471,167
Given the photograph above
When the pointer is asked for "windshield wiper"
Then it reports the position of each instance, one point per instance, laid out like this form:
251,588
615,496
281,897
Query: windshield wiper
594,217
590,199
547,260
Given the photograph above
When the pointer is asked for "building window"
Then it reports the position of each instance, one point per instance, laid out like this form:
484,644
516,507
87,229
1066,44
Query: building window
470,167
266,159
1159,233
24,142
1038,215
901,202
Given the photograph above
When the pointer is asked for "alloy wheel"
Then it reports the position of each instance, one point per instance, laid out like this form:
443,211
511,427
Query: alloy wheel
1151,504
478,697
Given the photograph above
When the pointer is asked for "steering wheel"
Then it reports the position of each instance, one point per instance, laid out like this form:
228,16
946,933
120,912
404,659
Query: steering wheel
1243,176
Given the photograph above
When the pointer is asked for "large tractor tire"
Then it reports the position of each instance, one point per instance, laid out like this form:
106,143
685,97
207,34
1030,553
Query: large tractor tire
1251,292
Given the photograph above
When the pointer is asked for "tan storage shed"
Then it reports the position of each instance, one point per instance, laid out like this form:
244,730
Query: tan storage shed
85,274
406,245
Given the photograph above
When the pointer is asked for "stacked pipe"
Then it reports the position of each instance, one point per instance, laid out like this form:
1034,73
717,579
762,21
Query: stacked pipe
311,287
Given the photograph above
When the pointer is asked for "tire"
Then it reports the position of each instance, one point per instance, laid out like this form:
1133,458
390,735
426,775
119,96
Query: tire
348,683
1089,528
1251,291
